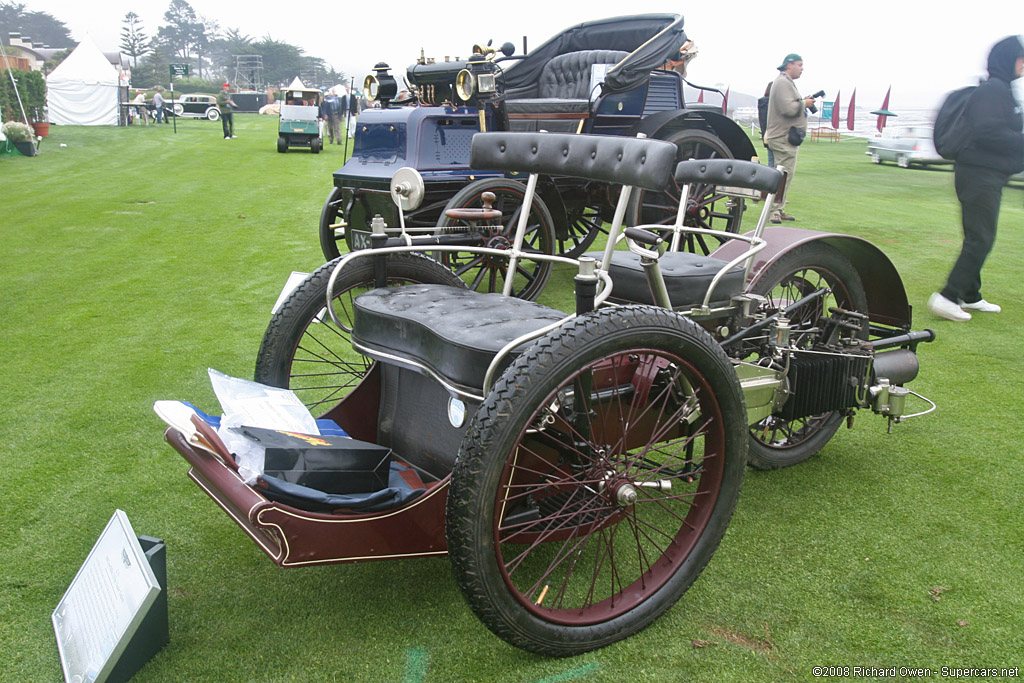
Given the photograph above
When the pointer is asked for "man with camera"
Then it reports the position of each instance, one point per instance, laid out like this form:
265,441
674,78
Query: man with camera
787,127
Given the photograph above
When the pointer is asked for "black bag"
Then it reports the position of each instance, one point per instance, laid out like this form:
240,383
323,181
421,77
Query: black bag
953,131
796,136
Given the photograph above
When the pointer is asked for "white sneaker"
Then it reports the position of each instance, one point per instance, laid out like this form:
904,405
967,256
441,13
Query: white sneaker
944,308
227,137
233,137
983,306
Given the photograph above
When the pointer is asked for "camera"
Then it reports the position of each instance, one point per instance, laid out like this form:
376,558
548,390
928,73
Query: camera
814,107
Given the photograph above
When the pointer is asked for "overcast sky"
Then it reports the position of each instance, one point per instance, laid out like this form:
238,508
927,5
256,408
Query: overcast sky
921,48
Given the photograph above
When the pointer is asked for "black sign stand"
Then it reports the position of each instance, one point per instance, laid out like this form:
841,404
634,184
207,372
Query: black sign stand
153,633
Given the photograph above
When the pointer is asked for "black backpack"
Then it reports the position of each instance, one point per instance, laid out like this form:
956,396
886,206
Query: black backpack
953,131
762,114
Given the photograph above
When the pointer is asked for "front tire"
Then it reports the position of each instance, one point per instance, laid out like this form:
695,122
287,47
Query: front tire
314,145
213,115
488,273
775,442
282,144
303,350
596,480
330,215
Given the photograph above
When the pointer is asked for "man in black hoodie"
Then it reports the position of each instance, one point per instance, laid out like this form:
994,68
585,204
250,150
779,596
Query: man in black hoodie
996,152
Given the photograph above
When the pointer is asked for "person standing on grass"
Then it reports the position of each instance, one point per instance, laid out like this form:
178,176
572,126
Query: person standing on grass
786,111
332,113
994,153
158,105
226,105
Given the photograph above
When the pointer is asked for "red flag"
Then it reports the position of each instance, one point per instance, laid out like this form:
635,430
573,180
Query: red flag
849,112
885,107
835,113
725,103
700,97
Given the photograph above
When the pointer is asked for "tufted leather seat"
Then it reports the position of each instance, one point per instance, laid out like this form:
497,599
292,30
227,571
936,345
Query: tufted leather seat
454,332
687,278
563,92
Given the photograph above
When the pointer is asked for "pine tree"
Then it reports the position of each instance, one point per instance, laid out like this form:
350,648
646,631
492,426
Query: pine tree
134,41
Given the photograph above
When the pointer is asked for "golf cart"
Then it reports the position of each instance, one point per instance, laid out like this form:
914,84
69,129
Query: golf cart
300,124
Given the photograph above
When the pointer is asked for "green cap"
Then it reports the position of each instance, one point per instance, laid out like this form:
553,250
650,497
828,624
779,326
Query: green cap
791,57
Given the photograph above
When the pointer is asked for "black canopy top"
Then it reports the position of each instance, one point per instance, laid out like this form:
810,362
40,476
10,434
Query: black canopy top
651,39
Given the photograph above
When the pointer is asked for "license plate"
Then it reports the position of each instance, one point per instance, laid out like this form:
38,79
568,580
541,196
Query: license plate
360,239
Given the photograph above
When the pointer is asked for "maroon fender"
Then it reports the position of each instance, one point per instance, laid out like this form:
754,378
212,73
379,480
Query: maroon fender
887,298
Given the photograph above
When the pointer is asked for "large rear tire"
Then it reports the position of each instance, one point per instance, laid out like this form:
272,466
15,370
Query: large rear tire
706,206
303,350
775,442
596,480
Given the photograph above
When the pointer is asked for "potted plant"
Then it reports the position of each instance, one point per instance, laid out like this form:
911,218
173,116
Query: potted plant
21,136
39,122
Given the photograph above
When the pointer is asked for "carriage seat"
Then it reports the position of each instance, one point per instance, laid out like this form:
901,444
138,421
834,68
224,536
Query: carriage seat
563,92
454,332
687,278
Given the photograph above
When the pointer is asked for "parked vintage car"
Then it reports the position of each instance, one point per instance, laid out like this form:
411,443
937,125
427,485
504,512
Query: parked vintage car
603,77
196,106
911,145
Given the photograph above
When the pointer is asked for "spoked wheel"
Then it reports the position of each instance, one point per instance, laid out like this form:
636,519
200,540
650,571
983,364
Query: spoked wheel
596,480
706,207
487,273
330,221
583,224
776,442
304,351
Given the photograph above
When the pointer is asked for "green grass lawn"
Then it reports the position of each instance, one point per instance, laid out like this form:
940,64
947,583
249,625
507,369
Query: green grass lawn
135,258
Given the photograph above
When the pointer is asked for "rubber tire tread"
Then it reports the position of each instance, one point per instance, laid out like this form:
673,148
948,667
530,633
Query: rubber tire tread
493,430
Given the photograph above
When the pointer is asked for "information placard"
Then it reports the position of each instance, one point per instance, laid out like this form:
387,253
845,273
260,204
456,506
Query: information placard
105,604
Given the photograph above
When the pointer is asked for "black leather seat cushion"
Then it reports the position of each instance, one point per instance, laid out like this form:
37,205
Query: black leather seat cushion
687,278
456,332
548,106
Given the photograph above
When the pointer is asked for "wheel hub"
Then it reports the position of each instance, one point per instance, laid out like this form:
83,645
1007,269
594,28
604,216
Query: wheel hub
498,241
625,494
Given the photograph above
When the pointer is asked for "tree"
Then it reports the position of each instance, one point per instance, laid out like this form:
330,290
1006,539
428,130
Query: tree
133,38
181,31
41,27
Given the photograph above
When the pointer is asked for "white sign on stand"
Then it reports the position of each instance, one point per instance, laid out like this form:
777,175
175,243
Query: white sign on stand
105,604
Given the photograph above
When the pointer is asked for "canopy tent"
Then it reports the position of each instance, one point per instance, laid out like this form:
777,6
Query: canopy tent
82,91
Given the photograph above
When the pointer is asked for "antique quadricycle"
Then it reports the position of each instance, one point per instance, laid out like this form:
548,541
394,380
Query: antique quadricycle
579,469
604,77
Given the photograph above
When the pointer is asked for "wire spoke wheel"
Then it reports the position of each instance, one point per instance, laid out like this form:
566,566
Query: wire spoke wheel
303,350
776,442
596,480
707,207
486,273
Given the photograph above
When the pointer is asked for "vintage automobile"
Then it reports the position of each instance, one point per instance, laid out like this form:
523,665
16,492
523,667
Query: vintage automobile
602,76
579,469
196,106
300,124
911,145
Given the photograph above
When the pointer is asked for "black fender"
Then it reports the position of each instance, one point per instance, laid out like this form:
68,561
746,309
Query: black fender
883,286
662,123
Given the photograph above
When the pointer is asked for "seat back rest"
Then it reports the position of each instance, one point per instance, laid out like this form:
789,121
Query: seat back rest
732,172
568,76
638,162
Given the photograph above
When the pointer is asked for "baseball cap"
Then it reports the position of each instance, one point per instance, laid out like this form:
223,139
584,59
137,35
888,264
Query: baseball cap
791,57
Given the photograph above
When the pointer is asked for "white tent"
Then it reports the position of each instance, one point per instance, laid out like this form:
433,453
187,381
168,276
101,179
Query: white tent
82,91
